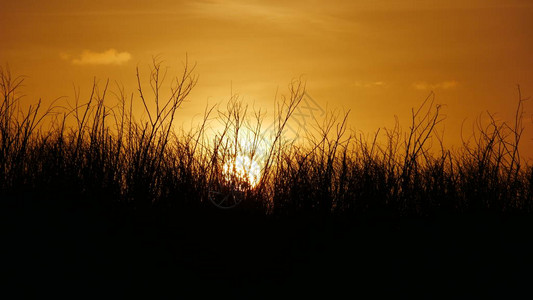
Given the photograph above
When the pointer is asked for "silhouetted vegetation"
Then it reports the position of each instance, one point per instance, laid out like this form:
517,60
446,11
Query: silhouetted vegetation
99,150
123,198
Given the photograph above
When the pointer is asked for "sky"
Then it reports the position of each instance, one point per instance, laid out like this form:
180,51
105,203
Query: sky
376,58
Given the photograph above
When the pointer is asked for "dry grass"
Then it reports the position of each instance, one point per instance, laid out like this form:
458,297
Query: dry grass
98,151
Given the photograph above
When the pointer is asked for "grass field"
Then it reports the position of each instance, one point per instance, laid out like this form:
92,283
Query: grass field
96,197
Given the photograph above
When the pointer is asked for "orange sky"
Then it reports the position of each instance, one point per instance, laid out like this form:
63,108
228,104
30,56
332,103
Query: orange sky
376,57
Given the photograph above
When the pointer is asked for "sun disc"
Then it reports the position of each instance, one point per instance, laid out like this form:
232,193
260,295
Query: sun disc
243,168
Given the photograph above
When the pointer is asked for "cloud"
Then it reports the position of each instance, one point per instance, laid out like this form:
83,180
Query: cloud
367,84
444,85
109,57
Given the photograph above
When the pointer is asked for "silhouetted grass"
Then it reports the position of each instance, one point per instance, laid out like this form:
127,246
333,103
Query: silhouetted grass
114,202
98,150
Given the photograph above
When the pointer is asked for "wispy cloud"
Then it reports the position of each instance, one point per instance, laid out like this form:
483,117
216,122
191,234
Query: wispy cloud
368,84
444,85
108,57
240,9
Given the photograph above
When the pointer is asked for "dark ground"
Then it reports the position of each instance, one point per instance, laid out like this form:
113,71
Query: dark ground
51,248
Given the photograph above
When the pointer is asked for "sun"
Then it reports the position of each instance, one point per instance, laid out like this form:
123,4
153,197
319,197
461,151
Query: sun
243,168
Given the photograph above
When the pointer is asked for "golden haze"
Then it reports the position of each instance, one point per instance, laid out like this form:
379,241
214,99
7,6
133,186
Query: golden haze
377,58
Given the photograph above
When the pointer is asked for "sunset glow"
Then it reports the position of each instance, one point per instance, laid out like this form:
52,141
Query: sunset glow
377,58
264,148
243,168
